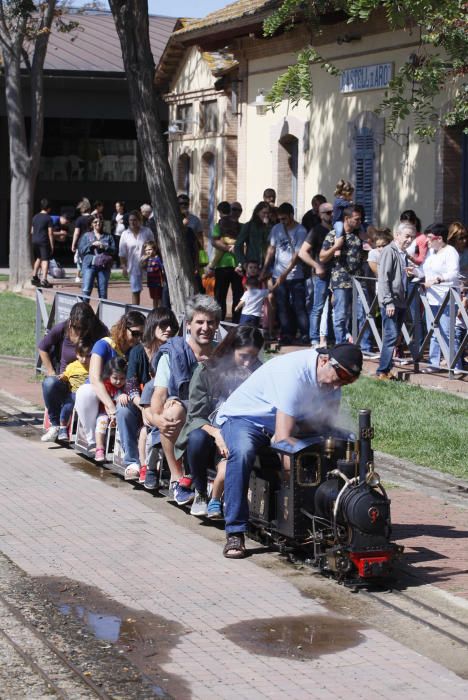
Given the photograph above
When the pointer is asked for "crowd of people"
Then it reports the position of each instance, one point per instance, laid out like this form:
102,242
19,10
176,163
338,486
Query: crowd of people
206,405
294,280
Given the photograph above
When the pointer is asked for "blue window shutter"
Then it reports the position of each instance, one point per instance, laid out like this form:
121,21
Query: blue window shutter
364,171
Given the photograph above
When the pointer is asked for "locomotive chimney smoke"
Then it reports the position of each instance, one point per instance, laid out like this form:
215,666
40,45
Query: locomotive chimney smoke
366,434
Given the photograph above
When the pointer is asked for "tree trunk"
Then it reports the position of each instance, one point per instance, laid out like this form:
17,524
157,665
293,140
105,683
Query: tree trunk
131,21
20,173
21,194
24,156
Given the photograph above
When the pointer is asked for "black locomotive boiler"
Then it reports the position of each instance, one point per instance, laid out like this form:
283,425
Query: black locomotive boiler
323,497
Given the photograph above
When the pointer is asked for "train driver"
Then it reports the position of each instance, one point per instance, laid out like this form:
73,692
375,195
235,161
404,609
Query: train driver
293,393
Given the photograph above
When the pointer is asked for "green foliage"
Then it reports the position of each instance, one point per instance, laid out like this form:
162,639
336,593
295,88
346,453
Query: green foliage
425,426
296,84
440,60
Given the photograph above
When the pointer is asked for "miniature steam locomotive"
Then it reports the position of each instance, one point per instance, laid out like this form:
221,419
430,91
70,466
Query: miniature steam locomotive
322,497
319,498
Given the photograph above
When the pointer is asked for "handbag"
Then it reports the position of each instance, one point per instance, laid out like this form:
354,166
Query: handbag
102,261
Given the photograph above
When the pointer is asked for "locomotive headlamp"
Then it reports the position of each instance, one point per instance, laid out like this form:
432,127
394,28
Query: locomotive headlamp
373,479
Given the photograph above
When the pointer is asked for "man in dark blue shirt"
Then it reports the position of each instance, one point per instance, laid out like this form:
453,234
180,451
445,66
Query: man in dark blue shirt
43,244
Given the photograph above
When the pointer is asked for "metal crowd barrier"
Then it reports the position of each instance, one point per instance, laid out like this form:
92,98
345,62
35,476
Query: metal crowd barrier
365,294
107,311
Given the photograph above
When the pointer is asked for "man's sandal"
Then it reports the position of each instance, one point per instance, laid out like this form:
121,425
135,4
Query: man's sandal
235,546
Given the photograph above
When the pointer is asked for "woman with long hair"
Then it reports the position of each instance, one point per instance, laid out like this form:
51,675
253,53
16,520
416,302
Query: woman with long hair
160,325
235,358
252,242
124,335
57,350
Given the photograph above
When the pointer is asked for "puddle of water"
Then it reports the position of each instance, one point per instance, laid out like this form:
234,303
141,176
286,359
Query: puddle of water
292,637
144,638
93,470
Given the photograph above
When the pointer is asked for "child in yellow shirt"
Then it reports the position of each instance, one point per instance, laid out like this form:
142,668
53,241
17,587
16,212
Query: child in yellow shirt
76,373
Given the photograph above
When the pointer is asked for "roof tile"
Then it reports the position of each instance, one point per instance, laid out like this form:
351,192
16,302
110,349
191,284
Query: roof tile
95,47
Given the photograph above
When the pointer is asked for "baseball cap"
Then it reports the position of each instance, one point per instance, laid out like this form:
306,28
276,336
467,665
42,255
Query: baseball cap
346,356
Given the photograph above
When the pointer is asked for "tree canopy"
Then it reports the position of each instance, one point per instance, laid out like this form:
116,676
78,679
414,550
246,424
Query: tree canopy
439,62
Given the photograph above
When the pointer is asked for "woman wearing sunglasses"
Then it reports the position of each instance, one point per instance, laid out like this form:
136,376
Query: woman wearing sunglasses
124,335
160,325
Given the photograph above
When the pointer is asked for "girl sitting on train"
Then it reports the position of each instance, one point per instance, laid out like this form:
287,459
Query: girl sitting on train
114,377
235,358
124,335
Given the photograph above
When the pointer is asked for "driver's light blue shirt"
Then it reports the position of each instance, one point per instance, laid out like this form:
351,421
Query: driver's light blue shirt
287,384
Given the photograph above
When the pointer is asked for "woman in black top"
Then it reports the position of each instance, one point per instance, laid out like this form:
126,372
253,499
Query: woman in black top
56,350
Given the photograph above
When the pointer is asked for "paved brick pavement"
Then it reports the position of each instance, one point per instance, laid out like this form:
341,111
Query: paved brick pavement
435,537
60,522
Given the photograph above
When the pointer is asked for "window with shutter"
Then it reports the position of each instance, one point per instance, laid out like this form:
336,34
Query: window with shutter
364,155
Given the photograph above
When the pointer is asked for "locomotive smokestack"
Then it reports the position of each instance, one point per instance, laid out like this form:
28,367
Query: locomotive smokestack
366,433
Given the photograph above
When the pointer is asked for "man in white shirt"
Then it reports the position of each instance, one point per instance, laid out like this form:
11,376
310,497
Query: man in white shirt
288,395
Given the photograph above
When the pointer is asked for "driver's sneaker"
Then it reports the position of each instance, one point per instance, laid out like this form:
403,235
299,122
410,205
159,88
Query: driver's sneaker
200,505
51,435
35,281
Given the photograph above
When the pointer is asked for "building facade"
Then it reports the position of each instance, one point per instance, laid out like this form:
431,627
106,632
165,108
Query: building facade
305,150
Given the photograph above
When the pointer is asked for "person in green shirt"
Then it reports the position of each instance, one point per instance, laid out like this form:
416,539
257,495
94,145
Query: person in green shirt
227,272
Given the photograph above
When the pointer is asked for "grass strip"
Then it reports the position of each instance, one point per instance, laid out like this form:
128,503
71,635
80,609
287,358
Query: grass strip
425,426
17,325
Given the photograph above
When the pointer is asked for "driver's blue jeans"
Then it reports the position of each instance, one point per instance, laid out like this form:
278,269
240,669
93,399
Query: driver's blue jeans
243,439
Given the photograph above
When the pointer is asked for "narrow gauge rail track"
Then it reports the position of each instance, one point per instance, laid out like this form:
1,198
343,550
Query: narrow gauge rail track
44,659
424,613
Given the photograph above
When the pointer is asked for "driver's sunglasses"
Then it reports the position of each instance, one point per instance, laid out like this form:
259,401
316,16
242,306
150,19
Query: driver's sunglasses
135,334
342,373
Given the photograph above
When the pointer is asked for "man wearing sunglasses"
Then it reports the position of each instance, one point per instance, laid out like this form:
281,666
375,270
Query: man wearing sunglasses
291,395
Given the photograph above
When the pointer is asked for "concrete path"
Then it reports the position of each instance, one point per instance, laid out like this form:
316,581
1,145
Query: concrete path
58,521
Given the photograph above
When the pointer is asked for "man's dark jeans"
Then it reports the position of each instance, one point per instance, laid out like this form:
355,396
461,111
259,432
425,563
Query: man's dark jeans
201,451
292,314
225,276
391,329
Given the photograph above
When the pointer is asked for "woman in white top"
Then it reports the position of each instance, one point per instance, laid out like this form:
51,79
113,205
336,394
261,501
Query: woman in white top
131,244
441,271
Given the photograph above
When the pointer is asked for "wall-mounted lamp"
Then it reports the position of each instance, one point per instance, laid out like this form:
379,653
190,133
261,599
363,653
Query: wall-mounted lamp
348,38
260,105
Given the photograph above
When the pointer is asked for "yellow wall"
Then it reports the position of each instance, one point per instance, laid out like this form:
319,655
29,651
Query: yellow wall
407,166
